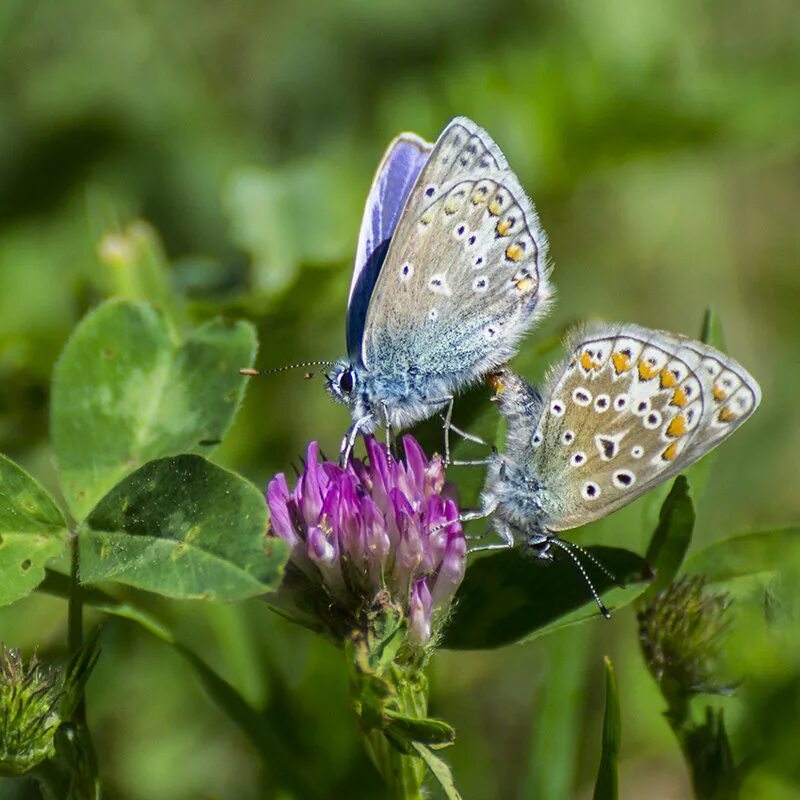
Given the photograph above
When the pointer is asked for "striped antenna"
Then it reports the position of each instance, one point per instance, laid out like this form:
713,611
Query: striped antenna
568,550
256,372
586,554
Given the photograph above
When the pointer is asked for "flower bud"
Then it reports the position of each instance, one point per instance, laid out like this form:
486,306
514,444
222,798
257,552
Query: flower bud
680,632
29,715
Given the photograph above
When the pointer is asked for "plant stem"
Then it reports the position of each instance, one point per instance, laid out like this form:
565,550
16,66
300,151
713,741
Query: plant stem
53,781
404,774
75,612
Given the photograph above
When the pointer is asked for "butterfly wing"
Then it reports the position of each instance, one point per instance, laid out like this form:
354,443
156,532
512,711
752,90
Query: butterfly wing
465,276
394,178
628,409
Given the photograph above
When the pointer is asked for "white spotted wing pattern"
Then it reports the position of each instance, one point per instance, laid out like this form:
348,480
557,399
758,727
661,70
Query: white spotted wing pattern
465,275
629,408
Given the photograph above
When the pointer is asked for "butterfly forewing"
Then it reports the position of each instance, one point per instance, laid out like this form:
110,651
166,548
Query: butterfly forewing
464,276
628,409
395,177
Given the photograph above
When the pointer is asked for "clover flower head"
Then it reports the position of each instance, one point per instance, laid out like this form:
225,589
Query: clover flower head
376,526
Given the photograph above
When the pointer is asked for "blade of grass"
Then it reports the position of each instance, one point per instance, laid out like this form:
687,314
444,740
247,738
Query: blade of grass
607,785
557,711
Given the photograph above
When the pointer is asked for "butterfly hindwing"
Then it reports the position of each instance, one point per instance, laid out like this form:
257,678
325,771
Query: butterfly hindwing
629,408
465,274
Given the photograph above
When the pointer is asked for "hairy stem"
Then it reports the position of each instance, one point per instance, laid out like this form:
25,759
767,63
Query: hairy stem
404,774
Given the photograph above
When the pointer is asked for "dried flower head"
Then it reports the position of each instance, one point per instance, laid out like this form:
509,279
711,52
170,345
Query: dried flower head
29,716
380,527
680,633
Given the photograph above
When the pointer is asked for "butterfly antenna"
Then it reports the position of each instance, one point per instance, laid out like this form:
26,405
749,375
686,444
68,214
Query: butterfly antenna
567,549
258,372
589,557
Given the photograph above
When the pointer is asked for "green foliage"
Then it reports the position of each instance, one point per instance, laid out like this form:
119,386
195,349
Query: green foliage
270,211
681,631
391,699
125,391
659,141
257,726
711,330
508,596
555,733
699,473
746,554
714,773
32,532
184,528
439,770
607,785
671,538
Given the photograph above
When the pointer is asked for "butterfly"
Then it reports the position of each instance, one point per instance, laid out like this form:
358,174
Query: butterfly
628,409
450,273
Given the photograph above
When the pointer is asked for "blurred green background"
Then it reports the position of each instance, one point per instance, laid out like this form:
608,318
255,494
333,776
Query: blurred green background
661,144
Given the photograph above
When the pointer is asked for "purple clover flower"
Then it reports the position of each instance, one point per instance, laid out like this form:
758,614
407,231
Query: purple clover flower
374,527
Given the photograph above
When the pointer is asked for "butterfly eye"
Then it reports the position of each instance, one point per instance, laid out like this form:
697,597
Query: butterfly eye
346,381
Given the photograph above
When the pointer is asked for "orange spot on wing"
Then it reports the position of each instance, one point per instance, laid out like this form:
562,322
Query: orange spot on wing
719,394
670,451
479,195
622,362
495,208
647,371
527,284
503,227
586,361
679,398
726,415
668,379
514,252
677,427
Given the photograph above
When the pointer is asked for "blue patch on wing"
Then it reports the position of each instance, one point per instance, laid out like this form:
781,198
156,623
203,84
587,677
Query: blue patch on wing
360,297
394,180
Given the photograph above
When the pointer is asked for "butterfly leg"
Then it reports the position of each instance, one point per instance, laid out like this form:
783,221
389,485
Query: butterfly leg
391,439
472,462
349,440
505,535
478,513
469,516
447,420
486,547
470,437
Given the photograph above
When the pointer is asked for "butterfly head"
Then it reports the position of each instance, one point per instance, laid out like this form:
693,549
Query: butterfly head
342,382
